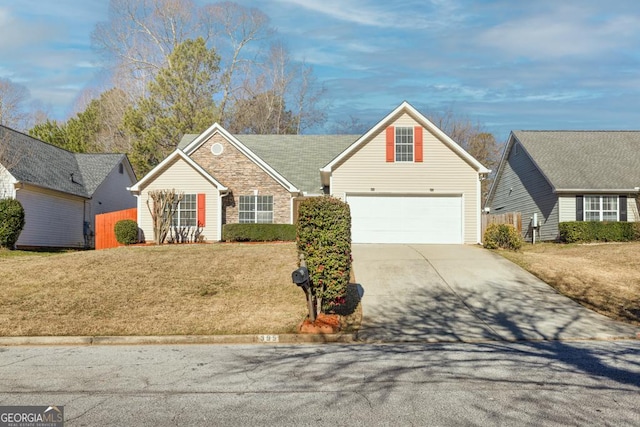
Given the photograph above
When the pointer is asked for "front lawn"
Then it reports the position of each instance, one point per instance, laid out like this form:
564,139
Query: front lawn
156,290
604,277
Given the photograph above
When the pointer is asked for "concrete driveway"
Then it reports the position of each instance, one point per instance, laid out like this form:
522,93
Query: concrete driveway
464,293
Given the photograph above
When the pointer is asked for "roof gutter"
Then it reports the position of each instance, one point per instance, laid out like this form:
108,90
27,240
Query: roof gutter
325,176
597,191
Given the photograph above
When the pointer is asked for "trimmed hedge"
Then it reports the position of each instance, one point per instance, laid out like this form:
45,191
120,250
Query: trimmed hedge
503,236
324,237
258,232
11,222
589,231
126,231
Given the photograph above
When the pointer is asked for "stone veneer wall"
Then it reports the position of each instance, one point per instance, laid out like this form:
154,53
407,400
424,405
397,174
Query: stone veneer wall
242,176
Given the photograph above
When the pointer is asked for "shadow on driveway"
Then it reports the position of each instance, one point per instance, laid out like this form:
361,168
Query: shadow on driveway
429,293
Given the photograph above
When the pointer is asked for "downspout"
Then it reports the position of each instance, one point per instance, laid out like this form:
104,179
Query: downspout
86,226
221,194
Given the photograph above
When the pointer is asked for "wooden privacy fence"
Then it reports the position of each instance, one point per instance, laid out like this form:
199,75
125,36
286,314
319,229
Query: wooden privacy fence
105,236
512,218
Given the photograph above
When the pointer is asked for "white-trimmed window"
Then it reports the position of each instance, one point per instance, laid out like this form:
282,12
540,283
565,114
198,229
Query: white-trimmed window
186,213
404,144
601,208
255,210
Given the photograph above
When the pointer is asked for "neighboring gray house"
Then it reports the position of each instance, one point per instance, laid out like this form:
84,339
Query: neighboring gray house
61,191
404,180
568,176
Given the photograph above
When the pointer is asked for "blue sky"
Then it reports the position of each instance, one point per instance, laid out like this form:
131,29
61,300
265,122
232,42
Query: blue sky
572,64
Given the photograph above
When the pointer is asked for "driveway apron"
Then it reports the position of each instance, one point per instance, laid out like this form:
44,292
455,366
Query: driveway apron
432,293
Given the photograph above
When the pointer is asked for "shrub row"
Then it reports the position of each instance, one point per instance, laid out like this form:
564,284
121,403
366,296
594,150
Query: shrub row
588,231
258,232
503,236
11,222
324,237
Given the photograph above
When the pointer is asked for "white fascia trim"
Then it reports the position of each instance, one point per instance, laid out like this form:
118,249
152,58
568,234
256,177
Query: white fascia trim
478,212
406,107
219,215
177,153
588,191
216,128
503,160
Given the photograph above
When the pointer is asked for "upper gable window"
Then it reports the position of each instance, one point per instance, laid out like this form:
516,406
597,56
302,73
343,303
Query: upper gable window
404,144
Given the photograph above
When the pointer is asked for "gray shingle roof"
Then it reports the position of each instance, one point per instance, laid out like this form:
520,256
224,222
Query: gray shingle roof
32,161
298,158
589,160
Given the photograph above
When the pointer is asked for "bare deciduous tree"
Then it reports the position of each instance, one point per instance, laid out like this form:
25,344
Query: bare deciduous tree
279,96
141,34
162,209
473,138
13,98
235,27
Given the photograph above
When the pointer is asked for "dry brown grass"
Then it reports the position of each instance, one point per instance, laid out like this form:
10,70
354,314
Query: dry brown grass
604,277
165,290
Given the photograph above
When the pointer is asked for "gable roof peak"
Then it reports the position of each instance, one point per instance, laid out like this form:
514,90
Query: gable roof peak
406,107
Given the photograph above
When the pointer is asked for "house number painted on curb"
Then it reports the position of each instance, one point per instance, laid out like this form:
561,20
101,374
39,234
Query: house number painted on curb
268,338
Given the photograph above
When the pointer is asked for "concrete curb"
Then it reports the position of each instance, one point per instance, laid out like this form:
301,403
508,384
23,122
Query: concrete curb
182,339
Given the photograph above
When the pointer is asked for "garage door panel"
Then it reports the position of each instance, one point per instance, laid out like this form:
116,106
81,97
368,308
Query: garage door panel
406,219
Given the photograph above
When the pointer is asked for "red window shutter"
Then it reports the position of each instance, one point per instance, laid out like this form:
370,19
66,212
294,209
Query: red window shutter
201,209
391,144
417,143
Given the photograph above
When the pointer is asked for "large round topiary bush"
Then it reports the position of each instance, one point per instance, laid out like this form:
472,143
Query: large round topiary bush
126,231
11,222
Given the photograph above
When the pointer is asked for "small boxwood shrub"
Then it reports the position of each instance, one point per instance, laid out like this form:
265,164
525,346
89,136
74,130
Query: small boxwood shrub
258,232
589,231
324,237
503,236
126,231
11,222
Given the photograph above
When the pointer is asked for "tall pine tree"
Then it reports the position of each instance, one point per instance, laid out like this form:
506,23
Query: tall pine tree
179,101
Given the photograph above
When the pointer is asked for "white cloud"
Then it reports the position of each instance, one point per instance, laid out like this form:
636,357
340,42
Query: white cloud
17,33
409,15
562,32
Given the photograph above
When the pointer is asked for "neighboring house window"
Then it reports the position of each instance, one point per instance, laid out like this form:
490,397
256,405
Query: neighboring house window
601,208
404,144
186,213
256,209
121,168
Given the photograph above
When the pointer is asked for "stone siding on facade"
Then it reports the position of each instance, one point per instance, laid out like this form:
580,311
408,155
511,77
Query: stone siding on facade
242,176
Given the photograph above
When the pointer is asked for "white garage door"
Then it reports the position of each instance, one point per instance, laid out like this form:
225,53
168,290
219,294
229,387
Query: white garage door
406,219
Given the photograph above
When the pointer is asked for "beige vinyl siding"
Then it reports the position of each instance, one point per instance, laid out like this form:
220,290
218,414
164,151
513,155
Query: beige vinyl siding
442,172
567,204
52,219
179,175
567,208
632,209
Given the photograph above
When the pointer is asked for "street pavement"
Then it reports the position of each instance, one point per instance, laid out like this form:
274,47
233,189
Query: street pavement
435,293
545,383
